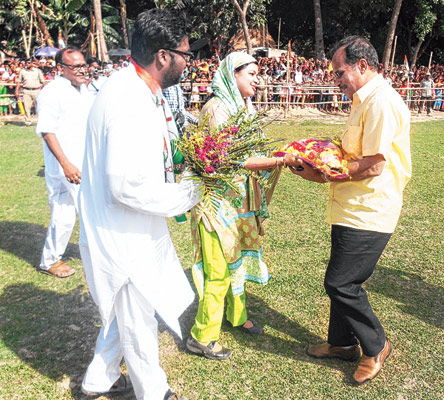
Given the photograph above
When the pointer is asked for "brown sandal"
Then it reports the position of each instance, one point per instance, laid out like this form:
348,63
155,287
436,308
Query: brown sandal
59,270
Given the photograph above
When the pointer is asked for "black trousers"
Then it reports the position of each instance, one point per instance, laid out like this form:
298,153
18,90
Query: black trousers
354,254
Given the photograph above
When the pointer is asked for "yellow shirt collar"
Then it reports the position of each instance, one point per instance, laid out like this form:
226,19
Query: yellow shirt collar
360,95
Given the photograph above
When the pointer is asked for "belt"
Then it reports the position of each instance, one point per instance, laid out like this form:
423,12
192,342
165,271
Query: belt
31,88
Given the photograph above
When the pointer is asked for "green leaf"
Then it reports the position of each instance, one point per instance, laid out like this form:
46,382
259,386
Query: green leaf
74,5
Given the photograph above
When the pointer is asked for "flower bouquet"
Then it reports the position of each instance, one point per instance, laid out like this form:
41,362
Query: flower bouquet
323,154
218,155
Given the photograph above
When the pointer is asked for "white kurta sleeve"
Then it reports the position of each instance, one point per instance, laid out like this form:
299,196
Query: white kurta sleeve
163,199
48,111
134,169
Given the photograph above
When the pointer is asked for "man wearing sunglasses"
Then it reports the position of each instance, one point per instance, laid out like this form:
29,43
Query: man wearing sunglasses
127,190
62,108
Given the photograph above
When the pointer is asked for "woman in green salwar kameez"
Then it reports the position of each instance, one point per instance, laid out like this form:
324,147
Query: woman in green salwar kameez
227,249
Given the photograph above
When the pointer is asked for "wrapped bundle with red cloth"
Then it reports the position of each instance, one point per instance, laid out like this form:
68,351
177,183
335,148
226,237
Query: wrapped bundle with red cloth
323,154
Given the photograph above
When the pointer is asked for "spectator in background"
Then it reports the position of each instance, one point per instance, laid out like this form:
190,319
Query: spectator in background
387,78
426,86
264,81
175,99
96,79
30,80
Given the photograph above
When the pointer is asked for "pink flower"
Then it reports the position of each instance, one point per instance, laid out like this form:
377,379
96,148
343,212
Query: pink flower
209,169
234,130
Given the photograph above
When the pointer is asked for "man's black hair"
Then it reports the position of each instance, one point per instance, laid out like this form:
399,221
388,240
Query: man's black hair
68,50
92,60
154,30
356,48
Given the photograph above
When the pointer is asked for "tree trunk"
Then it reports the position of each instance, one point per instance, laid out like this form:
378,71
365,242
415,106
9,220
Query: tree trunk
426,44
243,16
29,42
103,52
124,28
319,33
42,25
91,36
415,53
391,33
25,44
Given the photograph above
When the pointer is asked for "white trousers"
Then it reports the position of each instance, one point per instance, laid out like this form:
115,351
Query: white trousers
61,225
133,335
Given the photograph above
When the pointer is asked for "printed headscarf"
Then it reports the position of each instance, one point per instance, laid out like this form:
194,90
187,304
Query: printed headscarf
224,83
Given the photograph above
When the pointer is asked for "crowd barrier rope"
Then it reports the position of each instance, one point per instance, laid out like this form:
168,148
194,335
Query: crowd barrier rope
322,97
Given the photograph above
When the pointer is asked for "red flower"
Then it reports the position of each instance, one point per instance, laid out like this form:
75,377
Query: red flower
209,169
298,146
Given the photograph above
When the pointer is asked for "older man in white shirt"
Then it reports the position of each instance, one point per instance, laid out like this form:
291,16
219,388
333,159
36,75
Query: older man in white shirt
127,190
62,108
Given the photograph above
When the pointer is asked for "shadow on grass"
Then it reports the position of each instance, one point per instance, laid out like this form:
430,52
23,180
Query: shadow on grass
26,241
54,333
282,336
416,297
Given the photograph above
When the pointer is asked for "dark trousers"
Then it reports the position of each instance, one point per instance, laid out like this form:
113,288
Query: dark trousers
428,104
354,254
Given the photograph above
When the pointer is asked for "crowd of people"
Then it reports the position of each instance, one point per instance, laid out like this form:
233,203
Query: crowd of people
294,82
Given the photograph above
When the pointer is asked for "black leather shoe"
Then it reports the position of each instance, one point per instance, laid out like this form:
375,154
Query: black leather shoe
207,351
255,330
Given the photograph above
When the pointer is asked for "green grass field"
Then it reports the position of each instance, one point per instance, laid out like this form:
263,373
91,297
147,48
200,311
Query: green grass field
48,326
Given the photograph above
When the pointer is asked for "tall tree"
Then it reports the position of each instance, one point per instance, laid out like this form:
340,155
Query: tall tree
218,20
64,16
101,44
319,32
242,11
41,23
425,22
124,25
391,33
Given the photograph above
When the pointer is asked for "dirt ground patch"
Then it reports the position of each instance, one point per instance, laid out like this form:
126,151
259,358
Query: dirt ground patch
293,114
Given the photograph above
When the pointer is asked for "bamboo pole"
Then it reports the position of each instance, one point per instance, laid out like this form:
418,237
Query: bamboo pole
394,50
430,59
279,32
263,35
287,105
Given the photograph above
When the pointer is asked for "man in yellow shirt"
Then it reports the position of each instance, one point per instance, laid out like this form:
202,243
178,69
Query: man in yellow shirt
363,211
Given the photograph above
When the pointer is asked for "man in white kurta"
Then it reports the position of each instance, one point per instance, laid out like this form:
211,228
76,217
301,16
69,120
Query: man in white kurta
130,263
63,106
